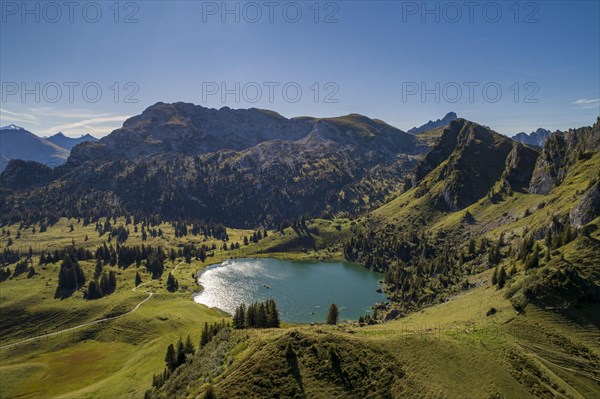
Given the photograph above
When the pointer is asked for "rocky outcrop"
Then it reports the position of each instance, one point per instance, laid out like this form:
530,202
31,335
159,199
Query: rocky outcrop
472,159
449,117
587,208
440,152
561,150
520,164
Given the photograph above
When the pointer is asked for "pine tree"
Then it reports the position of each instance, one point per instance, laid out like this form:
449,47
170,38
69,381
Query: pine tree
171,357
262,316
495,276
180,352
251,316
272,314
204,337
239,318
172,284
189,347
112,282
333,314
138,279
501,278
532,261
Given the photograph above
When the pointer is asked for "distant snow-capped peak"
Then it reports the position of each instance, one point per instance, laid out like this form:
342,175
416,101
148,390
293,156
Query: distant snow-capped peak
11,127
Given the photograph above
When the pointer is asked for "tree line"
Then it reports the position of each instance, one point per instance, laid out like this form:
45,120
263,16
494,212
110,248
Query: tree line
257,315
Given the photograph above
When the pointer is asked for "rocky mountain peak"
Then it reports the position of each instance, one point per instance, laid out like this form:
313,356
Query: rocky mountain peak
11,127
449,117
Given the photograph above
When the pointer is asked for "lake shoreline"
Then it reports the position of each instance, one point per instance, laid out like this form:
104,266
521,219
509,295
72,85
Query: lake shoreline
303,292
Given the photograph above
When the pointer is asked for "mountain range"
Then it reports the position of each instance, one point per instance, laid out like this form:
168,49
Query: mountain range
537,138
19,143
235,166
67,142
250,166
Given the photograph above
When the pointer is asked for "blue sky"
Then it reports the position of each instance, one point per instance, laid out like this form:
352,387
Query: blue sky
373,58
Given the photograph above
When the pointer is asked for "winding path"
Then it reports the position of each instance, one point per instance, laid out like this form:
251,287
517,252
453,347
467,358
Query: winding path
89,323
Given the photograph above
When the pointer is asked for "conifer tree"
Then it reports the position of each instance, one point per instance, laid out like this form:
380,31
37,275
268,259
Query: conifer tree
189,347
272,314
501,278
180,352
171,357
333,314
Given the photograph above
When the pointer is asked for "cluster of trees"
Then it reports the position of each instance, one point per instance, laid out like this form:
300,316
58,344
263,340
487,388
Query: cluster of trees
297,224
557,234
215,230
179,353
74,253
120,233
256,236
420,268
22,267
257,315
125,256
368,319
176,356
9,256
105,285
70,277
209,331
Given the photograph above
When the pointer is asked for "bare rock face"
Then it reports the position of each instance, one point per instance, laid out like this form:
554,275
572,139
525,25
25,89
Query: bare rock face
560,150
472,159
588,207
550,171
520,164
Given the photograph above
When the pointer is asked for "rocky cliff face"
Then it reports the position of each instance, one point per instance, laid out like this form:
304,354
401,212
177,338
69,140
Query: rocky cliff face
520,164
561,150
588,207
471,159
